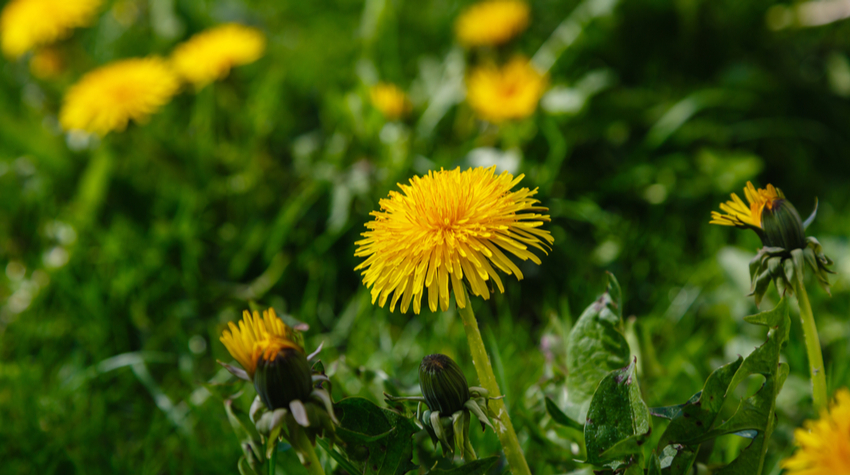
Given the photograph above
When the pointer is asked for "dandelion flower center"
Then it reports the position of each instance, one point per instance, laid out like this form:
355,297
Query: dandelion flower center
445,226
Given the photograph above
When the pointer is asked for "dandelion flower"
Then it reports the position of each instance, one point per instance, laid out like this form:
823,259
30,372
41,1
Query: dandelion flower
257,337
510,92
492,22
824,445
47,63
107,98
740,215
26,24
209,55
445,226
390,100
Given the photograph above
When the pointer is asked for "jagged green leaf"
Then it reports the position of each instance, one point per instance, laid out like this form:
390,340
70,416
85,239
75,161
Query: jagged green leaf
596,347
618,420
376,439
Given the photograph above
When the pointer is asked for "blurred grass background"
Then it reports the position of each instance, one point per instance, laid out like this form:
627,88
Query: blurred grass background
124,258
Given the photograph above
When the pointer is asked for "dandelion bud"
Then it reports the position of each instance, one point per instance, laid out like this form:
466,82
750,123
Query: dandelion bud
443,384
282,378
782,226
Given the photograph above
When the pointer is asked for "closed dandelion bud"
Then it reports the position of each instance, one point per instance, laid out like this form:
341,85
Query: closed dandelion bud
282,378
443,384
782,225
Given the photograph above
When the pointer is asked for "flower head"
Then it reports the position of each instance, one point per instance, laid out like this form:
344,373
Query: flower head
492,22
443,384
824,445
445,226
209,55
787,251
509,92
258,338
390,100
26,24
107,98
47,63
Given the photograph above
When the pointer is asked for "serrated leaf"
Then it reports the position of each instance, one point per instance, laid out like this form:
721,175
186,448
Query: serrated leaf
697,420
618,420
596,347
559,417
379,440
476,467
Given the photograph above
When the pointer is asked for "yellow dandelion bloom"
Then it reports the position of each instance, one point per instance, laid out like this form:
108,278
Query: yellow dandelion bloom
445,226
741,215
824,445
25,24
390,100
257,337
107,98
47,63
510,92
209,55
492,22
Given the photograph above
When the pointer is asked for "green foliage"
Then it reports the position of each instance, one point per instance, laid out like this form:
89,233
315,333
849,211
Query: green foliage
378,440
596,346
476,467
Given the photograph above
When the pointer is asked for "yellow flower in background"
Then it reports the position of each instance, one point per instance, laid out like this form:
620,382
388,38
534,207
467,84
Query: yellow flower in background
209,55
107,98
257,337
47,63
25,24
824,444
390,100
492,22
445,226
741,215
510,92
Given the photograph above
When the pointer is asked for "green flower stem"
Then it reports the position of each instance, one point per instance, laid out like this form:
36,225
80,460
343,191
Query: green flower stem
810,333
273,460
504,428
312,464
93,186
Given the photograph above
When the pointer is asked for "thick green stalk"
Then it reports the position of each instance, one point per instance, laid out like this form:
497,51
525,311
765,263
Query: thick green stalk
810,333
302,442
504,428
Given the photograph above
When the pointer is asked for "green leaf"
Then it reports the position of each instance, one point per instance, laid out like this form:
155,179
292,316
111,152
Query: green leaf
654,466
378,440
559,417
476,467
696,421
596,347
618,420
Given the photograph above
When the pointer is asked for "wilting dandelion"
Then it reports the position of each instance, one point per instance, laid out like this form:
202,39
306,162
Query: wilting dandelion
492,22
26,24
107,98
211,54
824,444
390,100
786,255
510,92
447,226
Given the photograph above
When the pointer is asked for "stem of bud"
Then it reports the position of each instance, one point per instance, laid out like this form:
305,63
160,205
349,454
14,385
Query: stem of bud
810,333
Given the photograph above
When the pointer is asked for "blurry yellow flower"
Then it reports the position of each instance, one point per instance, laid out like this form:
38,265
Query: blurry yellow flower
257,337
445,226
47,63
491,22
26,24
510,92
211,54
741,215
390,100
108,97
824,445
